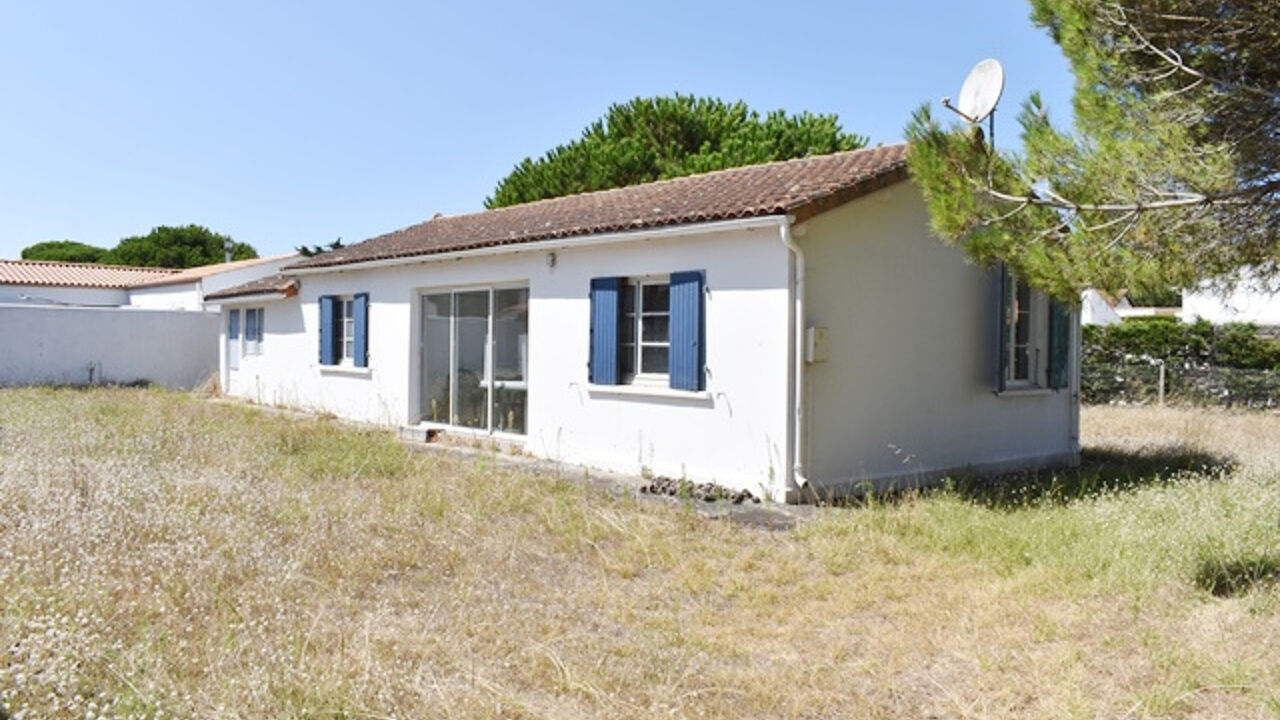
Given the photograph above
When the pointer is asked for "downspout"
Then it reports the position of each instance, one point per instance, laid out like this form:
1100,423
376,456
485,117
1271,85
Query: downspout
797,377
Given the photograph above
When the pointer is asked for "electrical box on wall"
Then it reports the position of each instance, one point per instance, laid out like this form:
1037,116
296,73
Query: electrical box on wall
815,344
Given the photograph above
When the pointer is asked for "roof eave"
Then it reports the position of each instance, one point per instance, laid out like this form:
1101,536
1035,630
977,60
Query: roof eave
553,243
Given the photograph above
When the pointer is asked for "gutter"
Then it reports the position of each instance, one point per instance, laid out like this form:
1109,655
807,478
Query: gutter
549,244
798,477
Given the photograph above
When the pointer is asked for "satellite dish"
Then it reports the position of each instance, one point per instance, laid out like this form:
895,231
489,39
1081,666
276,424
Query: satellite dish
980,92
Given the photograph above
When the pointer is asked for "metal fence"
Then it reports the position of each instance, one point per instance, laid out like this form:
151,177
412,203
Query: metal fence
1154,382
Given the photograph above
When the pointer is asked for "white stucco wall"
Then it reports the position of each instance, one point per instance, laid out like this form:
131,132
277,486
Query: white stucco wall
179,296
60,345
734,433
190,295
105,297
907,391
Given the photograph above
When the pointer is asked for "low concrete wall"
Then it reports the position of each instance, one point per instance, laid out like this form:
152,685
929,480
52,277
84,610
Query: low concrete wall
81,346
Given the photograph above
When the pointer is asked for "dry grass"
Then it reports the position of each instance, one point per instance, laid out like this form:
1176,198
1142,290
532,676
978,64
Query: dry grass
161,556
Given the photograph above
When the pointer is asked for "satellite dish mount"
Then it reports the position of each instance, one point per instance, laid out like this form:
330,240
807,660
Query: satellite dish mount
979,95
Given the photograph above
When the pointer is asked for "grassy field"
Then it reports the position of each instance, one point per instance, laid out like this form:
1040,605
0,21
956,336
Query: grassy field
163,556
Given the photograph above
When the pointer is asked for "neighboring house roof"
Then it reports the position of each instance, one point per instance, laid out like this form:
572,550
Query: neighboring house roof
204,271
270,285
83,275
804,187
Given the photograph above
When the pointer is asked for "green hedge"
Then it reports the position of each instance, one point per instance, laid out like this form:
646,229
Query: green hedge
1205,364
1233,345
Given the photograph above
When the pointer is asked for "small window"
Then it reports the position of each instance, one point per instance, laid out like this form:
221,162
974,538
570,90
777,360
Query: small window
253,318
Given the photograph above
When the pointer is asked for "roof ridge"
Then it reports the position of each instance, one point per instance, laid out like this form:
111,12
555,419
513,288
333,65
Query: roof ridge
105,266
663,182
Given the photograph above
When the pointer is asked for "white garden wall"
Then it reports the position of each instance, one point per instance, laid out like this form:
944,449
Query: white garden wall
79,346
907,391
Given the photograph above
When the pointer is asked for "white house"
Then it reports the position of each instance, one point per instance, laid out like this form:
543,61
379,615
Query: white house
789,328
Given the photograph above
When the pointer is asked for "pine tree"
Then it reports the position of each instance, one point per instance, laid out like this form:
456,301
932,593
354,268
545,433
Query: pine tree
1171,174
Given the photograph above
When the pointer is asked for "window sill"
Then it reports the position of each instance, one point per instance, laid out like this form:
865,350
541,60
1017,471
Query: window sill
651,391
1028,391
348,370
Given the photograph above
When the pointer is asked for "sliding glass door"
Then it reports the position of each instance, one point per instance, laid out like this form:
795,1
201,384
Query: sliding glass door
475,358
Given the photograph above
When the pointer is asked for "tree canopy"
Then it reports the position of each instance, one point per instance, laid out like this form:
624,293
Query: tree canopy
178,247
1171,175
64,251
165,246
649,139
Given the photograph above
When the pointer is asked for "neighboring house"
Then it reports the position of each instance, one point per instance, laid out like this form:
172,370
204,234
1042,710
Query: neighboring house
79,323
792,329
186,289
1099,308
41,282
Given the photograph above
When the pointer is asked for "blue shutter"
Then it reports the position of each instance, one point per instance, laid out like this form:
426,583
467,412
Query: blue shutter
1059,344
606,309
328,347
688,354
360,311
1002,318
233,325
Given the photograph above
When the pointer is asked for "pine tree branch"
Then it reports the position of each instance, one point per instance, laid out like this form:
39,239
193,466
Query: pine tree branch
1235,196
1174,59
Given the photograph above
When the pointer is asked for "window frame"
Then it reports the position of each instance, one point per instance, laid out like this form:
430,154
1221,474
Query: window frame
491,383
252,331
344,321
631,365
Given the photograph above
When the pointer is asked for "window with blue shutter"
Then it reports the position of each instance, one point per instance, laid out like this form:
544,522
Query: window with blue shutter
1059,345
1002,316
649,331
233,339
360,311
606,311
687,354
1033,337
329,338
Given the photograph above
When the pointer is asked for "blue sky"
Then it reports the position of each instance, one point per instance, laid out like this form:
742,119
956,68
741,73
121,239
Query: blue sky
284,123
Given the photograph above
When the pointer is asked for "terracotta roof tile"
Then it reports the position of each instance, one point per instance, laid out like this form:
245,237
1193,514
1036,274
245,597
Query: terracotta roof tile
803,187
262,286
86,275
